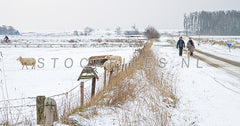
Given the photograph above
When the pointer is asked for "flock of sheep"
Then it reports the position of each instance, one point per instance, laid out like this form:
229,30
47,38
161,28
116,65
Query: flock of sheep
113,63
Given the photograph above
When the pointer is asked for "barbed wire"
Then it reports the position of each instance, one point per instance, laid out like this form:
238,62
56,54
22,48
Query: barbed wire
18,99
17,106
71,45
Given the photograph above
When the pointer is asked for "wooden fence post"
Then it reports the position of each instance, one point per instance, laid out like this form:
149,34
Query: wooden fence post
82,93
110,77
105,76
50,112
93,86
40,109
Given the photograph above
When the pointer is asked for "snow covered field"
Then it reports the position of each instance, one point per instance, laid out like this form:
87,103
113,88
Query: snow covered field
219,38
44,81
96,37
48,78
208,96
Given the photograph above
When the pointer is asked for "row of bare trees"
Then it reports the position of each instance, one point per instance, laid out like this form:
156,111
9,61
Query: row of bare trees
213,23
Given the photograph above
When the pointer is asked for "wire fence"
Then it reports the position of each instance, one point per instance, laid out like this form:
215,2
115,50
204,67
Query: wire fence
22,111
85,45
14,111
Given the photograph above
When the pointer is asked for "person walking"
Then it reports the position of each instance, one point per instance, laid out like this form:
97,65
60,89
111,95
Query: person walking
180,45
190,46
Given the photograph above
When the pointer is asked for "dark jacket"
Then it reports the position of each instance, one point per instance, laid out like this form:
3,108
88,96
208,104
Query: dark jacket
180,44
6,38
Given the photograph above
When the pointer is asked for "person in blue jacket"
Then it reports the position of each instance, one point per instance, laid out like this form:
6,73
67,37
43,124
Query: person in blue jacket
180,45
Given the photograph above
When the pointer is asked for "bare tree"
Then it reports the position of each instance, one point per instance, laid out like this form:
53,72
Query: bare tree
75,33
151,33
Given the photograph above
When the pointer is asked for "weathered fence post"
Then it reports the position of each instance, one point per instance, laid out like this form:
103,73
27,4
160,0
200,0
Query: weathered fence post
40,109
50,112
111,72
110,77
82,93
105,76
122,67
93,86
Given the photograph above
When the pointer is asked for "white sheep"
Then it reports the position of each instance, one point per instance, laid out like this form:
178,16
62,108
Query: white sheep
111,65
27,62
117,58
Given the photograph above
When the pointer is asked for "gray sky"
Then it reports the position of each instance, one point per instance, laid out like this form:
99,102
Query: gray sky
61,15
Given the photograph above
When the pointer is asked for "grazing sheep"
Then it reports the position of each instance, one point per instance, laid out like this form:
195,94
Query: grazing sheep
27,62
111,65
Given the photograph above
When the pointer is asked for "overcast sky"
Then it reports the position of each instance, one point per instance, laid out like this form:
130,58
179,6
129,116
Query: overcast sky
63,15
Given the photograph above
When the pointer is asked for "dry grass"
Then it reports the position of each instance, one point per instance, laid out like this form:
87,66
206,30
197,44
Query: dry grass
156,88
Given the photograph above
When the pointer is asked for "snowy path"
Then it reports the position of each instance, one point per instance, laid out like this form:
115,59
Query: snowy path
208,96
231,69
229,66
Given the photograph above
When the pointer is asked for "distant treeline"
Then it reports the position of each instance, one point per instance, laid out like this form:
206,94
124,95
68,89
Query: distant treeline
213,23
8,30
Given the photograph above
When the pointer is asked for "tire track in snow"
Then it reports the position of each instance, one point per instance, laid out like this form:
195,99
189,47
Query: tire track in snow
225,86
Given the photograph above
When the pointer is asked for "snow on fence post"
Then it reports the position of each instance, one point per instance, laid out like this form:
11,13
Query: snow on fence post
82,93
40,109
50,112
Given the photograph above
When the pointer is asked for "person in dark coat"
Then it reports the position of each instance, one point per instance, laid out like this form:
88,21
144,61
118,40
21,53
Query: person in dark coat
190,46
6,38
180,45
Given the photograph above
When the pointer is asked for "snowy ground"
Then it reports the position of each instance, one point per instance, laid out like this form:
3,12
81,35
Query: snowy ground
47,81
44,81
209,96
